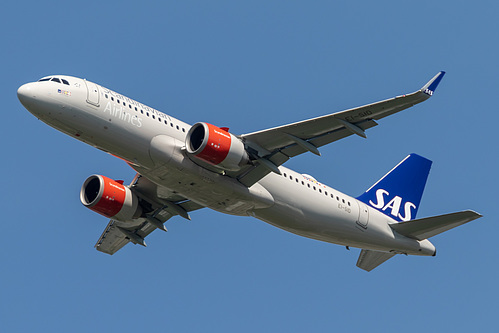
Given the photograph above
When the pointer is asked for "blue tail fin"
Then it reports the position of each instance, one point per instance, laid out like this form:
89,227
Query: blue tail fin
399,192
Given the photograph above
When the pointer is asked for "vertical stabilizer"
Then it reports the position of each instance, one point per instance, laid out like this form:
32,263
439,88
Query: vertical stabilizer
398,194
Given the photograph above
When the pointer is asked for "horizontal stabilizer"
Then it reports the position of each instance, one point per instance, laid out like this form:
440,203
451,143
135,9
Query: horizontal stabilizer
369,260
431,226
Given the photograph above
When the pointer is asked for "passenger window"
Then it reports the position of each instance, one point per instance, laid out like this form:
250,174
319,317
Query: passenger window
112,98
296,180
106,95
183,130
285,175
136,109
166,123
118,101
177,127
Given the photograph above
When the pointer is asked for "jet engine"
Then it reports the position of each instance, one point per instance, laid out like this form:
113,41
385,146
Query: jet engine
215,146
110,198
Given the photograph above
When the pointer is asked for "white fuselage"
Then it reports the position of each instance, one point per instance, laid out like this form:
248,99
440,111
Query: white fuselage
152,143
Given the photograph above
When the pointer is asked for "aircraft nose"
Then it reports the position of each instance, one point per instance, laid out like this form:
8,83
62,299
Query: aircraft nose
25,93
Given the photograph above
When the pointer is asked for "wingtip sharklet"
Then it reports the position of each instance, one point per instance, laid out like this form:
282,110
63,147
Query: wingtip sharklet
430,87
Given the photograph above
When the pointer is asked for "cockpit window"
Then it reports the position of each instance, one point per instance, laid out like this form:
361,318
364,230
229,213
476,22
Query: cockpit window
54,79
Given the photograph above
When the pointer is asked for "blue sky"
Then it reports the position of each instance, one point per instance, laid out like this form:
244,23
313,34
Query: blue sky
250,66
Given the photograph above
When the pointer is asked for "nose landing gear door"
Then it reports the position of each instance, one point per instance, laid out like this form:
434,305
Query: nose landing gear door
92,93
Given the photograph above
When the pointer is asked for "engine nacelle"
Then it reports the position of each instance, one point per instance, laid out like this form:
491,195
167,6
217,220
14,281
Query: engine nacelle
216,146
109,198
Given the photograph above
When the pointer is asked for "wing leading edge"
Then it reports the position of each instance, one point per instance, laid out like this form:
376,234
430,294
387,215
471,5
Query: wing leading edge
278,144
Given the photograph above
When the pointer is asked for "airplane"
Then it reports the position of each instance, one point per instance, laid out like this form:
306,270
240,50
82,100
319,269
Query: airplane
182,168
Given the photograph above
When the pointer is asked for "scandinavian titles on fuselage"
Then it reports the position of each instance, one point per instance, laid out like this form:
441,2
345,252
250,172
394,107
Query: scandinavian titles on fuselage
117,110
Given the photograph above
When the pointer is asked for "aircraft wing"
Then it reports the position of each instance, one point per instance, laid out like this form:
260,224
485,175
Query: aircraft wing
162,205
276,145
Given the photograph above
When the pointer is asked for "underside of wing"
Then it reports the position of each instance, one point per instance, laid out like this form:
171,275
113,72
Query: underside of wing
159,205
115,236
277,145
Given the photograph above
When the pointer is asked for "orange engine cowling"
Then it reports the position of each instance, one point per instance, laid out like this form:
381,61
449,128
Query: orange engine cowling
109,198
216,146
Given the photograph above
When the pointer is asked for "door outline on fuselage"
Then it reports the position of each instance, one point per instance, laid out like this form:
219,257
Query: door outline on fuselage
363,218
92,93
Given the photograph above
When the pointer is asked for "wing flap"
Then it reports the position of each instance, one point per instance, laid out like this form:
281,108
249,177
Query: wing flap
369,259
111,239
424,228
279,157
326,138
